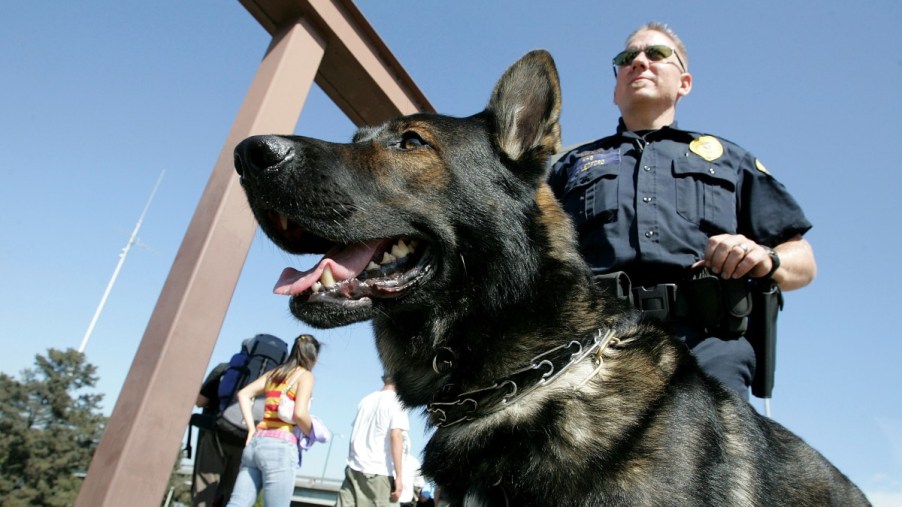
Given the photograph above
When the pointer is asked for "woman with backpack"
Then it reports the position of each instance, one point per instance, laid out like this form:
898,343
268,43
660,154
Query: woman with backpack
270,455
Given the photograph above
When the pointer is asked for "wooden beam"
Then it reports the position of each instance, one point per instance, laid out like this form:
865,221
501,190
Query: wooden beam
326,41
135,457
358,73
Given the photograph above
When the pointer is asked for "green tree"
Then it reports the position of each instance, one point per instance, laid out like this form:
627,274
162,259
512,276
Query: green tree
49,428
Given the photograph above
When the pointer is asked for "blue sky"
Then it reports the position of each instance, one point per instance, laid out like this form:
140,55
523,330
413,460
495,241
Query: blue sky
98,98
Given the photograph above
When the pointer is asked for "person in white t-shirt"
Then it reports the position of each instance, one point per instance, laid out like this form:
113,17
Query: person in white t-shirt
374,474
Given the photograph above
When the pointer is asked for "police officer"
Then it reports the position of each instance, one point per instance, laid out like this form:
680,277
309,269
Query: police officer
662,204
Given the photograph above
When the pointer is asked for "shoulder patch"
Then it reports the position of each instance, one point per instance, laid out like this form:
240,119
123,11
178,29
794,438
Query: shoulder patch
760,167
707,147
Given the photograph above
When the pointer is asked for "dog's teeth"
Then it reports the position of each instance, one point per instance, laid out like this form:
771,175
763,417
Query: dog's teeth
283,221
327,279
412,245
316,287
387,258
400,250
372,266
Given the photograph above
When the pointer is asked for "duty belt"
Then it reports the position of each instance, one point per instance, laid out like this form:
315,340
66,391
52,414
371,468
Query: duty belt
714,305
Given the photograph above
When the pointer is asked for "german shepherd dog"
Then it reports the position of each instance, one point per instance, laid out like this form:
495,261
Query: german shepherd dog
542,389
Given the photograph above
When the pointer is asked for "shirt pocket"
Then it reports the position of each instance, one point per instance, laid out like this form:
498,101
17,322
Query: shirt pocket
705,195
592,189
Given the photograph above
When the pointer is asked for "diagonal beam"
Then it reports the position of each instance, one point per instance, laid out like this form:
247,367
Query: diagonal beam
359,73
330,42
135,456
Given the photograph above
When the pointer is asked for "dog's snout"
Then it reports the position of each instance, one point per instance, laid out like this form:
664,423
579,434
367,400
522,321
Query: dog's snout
261,153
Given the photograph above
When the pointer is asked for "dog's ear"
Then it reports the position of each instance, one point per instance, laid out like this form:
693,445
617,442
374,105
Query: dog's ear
526,107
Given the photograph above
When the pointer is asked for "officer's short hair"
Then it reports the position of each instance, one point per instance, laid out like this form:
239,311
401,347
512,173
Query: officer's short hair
666,30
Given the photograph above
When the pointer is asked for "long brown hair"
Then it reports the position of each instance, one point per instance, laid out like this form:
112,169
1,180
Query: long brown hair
303,354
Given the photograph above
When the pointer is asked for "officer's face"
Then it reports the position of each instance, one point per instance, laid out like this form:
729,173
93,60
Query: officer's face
645,83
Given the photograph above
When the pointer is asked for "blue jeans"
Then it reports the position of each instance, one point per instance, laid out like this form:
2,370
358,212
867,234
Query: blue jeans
270,464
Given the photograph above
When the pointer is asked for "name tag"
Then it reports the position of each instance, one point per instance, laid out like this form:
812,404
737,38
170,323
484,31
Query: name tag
594,159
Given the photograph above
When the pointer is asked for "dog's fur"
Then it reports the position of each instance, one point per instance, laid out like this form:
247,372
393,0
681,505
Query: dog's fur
495,281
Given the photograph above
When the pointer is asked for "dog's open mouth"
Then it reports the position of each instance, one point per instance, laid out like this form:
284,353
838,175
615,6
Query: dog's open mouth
375,268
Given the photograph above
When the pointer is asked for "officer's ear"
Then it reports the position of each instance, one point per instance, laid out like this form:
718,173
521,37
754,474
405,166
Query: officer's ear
685,85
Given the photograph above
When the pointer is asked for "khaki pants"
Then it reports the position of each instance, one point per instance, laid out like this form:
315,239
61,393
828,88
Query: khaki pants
365,490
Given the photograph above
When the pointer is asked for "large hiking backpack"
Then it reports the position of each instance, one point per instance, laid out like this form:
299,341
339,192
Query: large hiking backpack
258,355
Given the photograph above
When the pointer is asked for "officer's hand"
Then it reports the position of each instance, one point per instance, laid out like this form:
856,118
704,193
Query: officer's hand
735,256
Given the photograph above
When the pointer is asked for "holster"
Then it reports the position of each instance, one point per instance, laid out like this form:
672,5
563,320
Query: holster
762,334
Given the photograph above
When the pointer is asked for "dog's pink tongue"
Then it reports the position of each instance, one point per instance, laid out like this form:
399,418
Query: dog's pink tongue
344,262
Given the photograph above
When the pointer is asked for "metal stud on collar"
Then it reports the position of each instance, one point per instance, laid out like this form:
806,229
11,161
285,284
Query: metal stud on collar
443,360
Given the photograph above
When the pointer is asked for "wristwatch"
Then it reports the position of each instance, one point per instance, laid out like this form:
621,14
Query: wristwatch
774,261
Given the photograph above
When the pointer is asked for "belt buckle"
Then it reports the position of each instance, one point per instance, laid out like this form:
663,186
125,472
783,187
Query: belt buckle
656,300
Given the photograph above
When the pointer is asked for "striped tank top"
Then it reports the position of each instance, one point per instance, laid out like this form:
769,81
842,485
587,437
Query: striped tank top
271,419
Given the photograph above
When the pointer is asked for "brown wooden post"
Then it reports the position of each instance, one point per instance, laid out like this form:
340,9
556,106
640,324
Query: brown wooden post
324,40
135,457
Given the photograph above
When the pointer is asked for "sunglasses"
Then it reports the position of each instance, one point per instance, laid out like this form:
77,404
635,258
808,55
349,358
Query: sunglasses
655,53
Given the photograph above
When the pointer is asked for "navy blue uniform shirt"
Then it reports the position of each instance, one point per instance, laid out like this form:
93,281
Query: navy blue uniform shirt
646,203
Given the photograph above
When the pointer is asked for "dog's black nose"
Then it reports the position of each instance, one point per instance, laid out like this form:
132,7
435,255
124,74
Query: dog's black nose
261,153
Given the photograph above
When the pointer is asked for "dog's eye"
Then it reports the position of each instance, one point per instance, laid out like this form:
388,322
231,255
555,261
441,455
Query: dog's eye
411,141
